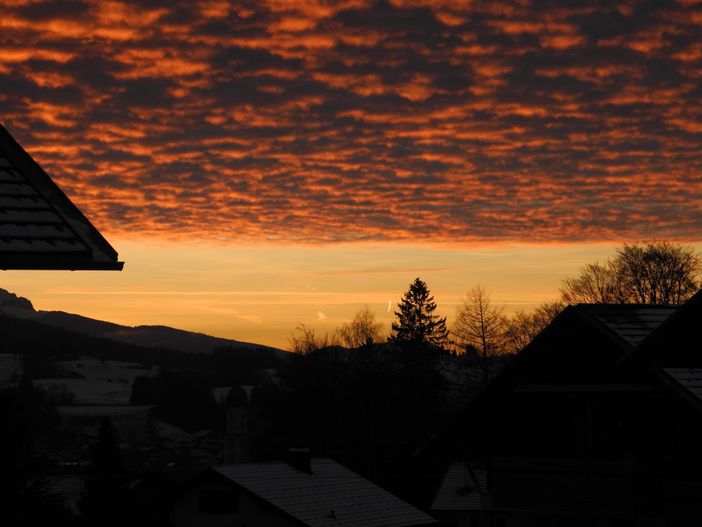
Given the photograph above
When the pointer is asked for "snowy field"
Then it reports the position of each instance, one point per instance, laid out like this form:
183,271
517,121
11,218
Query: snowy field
91,391
130,423
108,382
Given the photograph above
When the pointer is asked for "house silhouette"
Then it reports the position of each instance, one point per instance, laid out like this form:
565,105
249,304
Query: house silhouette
598,421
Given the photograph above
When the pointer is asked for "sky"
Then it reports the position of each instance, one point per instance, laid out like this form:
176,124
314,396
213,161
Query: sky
264,164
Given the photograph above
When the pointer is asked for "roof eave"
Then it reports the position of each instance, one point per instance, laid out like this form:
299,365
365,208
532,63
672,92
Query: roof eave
602,328
67,209
678,388
61,266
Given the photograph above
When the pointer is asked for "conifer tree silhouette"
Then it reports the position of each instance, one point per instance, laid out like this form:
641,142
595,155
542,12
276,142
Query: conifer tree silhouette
417,325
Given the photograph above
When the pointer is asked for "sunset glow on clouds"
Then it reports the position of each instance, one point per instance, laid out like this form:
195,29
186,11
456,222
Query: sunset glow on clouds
312,122
232,150
261,294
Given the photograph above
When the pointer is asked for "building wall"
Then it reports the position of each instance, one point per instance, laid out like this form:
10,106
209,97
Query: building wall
236,445
584,487
252,511
237,420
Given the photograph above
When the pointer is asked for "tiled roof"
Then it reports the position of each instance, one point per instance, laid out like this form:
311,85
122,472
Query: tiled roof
676,343
69,487
624,326
690,379
331,495
630,322
40,228
461,488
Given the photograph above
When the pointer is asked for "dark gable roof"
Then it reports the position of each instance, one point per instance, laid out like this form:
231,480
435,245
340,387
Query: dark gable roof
40,228
631,323
685,381
624,326
330,496
677,343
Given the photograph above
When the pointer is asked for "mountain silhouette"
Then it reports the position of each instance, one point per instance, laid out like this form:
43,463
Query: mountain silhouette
19,307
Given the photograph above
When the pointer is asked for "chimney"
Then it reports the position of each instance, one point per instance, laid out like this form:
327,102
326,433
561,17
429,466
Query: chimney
300,459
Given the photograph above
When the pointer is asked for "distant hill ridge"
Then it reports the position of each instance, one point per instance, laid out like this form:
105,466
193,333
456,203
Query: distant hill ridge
19,307
11,300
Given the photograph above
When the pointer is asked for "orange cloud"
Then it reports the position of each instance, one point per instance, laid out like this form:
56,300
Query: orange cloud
317,122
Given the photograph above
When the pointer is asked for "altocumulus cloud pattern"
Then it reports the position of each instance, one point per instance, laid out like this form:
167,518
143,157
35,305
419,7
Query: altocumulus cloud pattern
338,121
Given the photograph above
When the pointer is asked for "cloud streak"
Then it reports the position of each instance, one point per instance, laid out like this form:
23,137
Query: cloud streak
316,122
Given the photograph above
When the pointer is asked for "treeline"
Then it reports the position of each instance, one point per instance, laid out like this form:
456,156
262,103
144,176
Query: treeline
369,400
367,403
657,272
652,273
28,416
182,399
369,409
40,347
30,423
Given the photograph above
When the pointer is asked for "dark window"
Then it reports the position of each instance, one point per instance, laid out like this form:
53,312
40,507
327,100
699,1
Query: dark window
218,501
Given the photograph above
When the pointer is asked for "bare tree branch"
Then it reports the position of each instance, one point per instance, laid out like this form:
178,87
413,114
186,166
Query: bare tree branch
362,330
651,273
479,324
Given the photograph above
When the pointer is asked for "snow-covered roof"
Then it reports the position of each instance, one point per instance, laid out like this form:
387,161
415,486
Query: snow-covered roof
689,379
461,489
40,228
674,344
631,323
331,495
69,487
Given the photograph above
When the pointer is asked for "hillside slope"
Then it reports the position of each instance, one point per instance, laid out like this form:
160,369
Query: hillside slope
17,307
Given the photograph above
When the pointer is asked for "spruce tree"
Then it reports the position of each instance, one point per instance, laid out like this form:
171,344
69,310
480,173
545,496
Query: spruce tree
416,324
